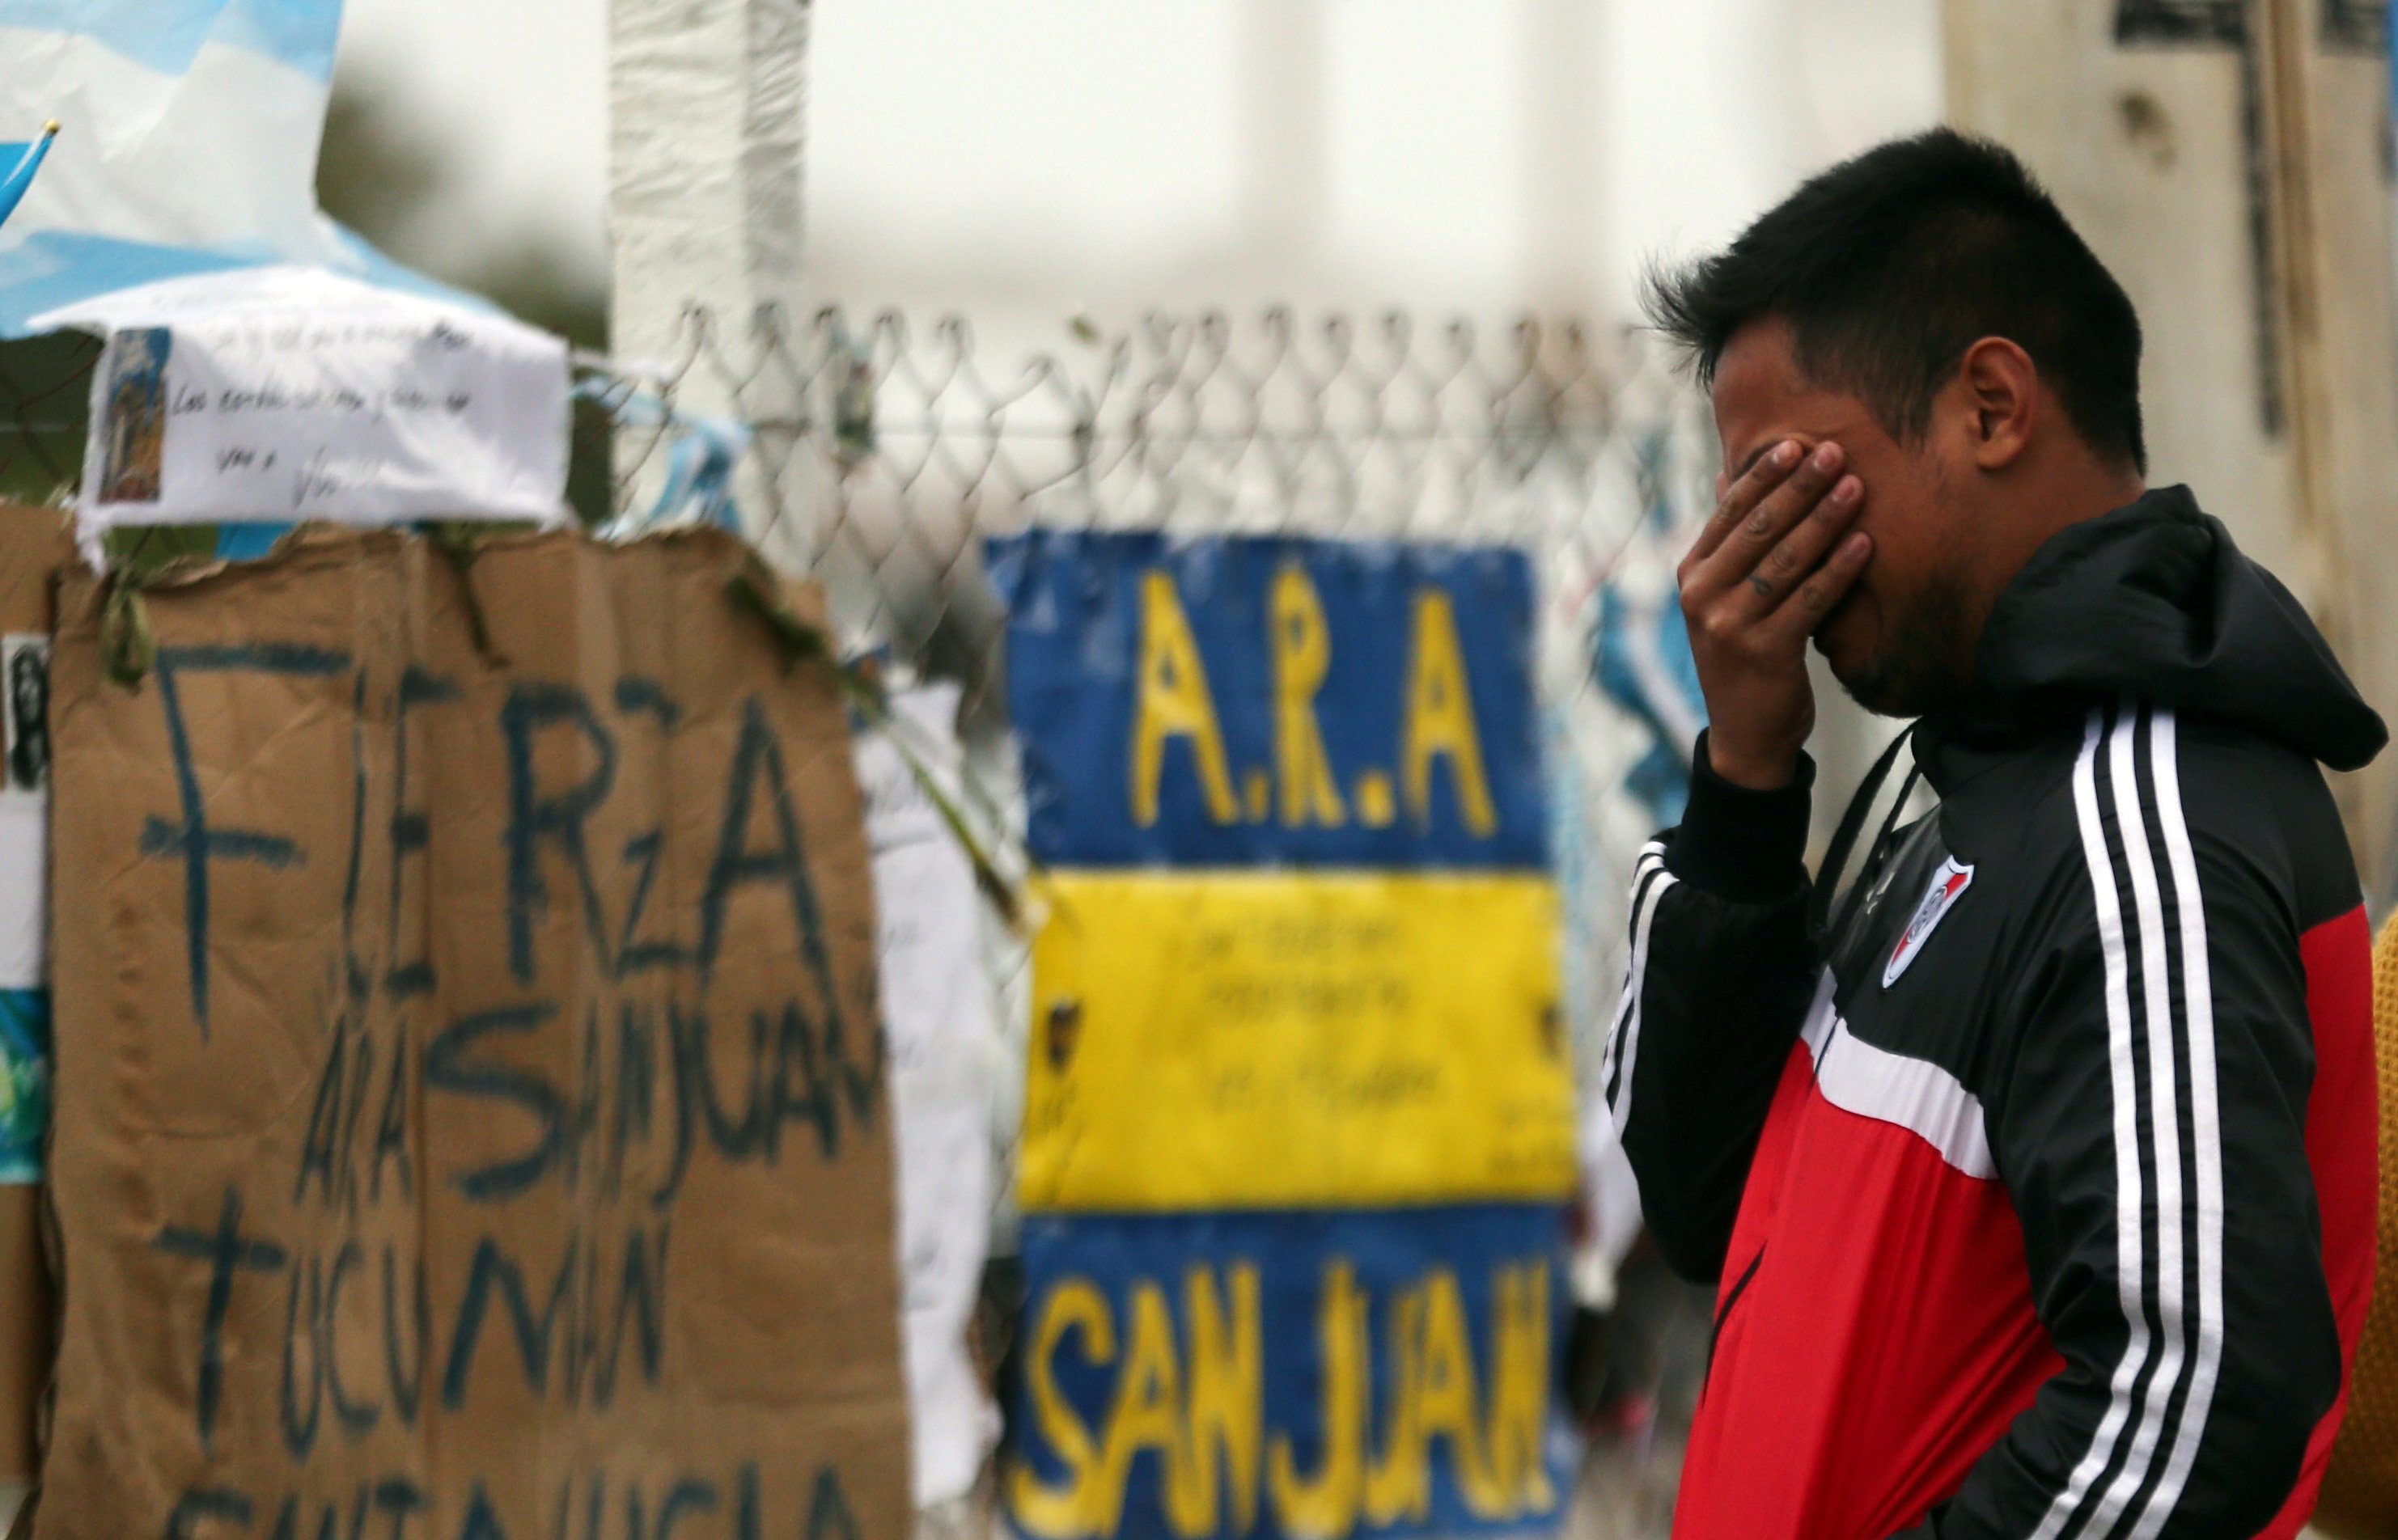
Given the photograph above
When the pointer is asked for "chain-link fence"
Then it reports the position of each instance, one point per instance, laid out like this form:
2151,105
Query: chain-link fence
878,456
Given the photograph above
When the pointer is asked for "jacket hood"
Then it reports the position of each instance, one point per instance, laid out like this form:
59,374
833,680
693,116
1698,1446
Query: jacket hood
2154,600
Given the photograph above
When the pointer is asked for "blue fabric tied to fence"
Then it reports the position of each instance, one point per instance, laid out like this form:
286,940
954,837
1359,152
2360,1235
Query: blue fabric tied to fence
1641,654
24,1082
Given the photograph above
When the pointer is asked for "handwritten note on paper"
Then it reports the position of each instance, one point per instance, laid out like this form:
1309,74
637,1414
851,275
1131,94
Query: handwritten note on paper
283,394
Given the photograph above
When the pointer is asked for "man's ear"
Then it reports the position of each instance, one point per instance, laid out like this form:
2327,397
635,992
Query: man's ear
2000,388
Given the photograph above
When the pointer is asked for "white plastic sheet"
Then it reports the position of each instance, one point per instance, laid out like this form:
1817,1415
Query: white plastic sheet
947,1055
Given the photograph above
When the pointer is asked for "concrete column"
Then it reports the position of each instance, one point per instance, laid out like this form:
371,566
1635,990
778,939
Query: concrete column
2227,159
2342,312
707,100
1563,87
1286,171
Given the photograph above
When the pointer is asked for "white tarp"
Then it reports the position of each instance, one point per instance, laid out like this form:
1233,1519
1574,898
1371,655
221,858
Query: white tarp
287,392
946,1059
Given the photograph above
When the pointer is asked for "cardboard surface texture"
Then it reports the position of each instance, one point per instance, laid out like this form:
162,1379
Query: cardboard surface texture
473,1123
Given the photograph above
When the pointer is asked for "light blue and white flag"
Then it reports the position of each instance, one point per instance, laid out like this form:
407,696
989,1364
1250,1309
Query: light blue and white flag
702,454
188,144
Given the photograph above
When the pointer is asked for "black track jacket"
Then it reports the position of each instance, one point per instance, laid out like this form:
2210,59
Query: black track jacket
2041,1182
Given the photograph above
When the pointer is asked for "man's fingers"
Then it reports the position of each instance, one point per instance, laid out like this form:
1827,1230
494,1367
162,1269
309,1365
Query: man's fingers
1744,544
1787,566
1735,501
1805,609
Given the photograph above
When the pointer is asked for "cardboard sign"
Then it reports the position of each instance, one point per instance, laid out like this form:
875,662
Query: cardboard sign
473,1124
1225,701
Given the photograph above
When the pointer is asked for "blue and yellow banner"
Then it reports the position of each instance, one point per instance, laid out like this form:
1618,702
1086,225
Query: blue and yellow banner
1299,1111
1264,1039
1306,1374
1231,702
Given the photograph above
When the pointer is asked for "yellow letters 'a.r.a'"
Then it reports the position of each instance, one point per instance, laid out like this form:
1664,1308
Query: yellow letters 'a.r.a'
1302,655
1172,700
1440,718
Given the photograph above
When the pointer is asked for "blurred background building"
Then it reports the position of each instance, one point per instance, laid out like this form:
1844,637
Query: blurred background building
1021,163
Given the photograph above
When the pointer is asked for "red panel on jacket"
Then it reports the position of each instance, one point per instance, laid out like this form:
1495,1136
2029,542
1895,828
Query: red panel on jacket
2343,1137
1885,1340
1886,1337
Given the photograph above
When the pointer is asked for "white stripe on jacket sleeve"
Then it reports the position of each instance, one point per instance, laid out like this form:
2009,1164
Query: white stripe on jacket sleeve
1649,881
2205,1204
2149,1031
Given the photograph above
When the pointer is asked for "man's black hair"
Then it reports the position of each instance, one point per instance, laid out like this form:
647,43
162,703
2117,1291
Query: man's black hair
1889,266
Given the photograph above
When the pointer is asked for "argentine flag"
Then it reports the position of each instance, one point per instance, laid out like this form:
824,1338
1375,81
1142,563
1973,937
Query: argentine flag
188,145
